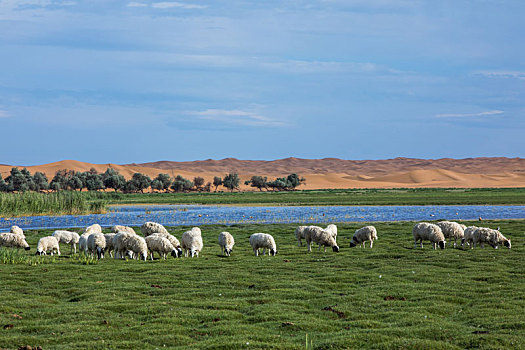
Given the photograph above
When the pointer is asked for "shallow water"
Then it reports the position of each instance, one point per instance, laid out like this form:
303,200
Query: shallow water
176,215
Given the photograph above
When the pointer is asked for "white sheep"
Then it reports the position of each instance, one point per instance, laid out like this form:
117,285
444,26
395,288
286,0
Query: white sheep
264,241
97,244
452,230
226,243
493,237
332,229
191,242
13,240
82,242
17,231
125,242
120,228
299,234
109,242
320,236
161,245
47,244
426,231
95,228
152,227
173,240
468,236
367,233
67,237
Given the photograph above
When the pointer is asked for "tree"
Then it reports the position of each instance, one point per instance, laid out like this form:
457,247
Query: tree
29,181
74,182
294,180
130,187
112,179
59,181
258,182
17,181
94,181
217,181
3,185
41,182
141,181
231,181
164,180
207,188
180,184
156,185
198,182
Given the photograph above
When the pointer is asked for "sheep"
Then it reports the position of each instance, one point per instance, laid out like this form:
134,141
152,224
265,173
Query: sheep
493,237
468,236
13,240
464,227
332,229
97,243
119,228
431,232
192,242
173,240
67,237
47,244
125,242
161,245
17,231
95,228
322,237
299,234
152,227
226,242
109,243
82,242
451,230
265,241
367,233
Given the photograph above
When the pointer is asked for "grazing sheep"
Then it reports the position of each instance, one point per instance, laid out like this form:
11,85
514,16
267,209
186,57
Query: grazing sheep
119,228
47,244
109,243
451,230
129,244
67,237
299,234
367,233
226,242
120,244
149,228
192,242
322,237
17,231
97,243
468,236
332,229
464,227
173,240
426,231
264,241
493,237
95,228
161,245
13,240
82,242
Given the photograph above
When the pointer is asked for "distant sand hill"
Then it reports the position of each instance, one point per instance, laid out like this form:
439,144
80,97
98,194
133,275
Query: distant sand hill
330,172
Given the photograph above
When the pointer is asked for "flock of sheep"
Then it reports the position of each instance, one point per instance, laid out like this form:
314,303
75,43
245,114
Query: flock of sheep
124,242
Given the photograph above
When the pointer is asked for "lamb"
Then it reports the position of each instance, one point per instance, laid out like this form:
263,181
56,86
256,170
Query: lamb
82,242
109,242
97,243
161,245
95,228
173,240
13,240
125,242
451,230
119,228
265,241
493,237
367,233
226,242
431,232
192,242
67,237
47,244
17,231
299,234
322,237
468,236
332,229
152,227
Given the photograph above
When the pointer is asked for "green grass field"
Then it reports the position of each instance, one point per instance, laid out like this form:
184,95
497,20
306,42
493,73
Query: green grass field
388,297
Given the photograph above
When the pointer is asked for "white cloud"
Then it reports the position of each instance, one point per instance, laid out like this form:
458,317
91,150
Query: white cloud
172,4
237,117
136,4
503,74
4,114
470,115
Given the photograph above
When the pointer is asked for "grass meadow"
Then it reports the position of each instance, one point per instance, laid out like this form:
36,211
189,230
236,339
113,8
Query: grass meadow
390,297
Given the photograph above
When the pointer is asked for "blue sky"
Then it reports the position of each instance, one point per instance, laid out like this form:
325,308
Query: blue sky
135,81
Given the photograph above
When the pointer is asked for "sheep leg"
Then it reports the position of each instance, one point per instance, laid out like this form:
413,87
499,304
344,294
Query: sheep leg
264,251
299,243
371,243
256,252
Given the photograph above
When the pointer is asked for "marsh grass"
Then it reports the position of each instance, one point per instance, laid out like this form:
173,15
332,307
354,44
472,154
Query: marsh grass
390,297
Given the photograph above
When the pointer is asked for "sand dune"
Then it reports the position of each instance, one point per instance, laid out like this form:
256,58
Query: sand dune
330,172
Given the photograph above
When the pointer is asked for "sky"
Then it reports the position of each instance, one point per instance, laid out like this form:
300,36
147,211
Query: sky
136,81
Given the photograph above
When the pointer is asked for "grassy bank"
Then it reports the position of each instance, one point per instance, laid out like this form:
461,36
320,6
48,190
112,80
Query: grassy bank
390,297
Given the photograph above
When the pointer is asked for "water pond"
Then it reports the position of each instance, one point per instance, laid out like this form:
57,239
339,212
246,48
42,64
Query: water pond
177,215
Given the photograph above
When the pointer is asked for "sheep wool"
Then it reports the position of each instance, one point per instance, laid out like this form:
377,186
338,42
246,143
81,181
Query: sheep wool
322,237
264,241
492,237
468,236
332,229
109,242
191,242
173,240
97,244
126,243
48,244
427,231
299,234
17,231
95,228
367,233
67,237
451,230
120,228
160,245
82,242
149,228
226,243
13,240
